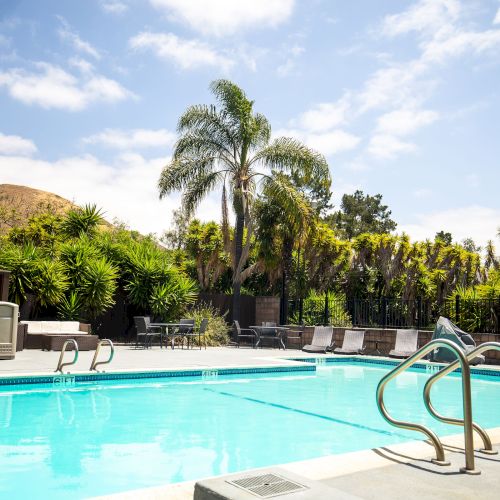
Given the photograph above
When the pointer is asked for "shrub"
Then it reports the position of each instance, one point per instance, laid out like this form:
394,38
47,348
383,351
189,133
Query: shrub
217,332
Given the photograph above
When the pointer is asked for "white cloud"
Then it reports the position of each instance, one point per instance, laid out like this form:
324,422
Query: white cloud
132,139
16,145
423,16
477,222
497,18
81,64
53,87
226,17
113,186
67,34
388,147
114,6
325,116
327,143
405,121
187,54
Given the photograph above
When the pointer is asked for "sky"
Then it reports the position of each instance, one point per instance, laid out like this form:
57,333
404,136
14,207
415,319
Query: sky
402,98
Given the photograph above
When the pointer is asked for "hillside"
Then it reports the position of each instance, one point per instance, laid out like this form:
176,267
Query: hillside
17,203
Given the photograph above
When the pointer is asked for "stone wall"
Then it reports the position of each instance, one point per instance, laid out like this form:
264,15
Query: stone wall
386,340
267,309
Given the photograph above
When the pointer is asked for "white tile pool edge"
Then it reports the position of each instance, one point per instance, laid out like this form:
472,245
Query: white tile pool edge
320,468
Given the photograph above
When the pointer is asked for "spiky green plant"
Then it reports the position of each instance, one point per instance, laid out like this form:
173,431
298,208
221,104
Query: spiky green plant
70,308
82,221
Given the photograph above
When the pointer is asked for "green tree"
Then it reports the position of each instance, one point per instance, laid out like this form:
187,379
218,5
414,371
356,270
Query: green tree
445,237
82,221
360,213
229,147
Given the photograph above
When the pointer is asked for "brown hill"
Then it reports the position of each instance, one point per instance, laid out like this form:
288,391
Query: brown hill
18,203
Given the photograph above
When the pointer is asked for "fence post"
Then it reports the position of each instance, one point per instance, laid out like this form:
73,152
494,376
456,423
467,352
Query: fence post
457,309
384,312
301,311
419,312
326,312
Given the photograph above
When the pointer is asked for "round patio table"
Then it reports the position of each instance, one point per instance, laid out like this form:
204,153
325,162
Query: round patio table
167,326
261,332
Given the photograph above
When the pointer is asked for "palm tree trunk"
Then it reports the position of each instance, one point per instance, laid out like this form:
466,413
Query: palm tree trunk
285,276
238,250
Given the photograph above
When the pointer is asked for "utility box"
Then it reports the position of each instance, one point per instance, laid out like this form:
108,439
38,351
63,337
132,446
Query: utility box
8,329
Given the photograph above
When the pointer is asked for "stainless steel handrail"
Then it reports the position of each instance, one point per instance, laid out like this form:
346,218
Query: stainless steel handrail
466,396
95,363
488,448
60,363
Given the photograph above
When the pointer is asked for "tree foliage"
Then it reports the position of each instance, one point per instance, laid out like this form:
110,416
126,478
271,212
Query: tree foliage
360,213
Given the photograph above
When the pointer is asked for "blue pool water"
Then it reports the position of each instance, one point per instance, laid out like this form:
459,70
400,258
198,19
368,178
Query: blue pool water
110,436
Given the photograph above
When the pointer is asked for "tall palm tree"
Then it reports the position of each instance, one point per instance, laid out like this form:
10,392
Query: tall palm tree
230,147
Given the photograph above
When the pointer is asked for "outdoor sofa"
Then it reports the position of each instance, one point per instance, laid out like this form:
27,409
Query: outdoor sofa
51,335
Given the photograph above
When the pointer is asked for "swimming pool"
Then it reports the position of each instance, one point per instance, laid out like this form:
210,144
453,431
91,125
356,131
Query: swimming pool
103,436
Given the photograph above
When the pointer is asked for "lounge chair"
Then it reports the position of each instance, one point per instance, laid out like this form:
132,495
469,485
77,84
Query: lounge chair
406,344
353,343
322,340
244,333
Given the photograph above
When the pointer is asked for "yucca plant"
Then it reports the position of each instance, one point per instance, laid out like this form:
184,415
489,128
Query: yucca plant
70,308
82,221
170,299
50,282
98,286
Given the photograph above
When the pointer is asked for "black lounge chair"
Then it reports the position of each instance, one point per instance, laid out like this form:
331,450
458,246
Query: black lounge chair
353,343
406,344
321,341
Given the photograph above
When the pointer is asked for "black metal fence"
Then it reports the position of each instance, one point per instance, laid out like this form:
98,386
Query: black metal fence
478,315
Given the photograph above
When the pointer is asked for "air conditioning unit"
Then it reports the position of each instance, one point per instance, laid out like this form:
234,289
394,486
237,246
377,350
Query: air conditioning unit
8,329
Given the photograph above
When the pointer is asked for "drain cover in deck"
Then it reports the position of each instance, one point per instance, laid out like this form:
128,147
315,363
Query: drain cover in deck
267,485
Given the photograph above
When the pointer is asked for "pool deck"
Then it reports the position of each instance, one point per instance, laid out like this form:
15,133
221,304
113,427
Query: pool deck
390,473
394,472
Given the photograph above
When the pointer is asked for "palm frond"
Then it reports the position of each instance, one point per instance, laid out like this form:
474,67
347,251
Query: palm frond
179,173
292,156
198,188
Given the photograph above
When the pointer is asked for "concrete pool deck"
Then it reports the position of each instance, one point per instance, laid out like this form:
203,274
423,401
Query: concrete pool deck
398,471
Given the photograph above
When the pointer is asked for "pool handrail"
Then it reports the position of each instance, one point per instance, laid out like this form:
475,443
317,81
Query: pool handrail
487,446
466,399
60,364
95,363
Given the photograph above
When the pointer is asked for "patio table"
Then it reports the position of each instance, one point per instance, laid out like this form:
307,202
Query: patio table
167,326
279,333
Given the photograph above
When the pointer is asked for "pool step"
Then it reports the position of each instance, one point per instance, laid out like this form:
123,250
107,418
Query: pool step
272,482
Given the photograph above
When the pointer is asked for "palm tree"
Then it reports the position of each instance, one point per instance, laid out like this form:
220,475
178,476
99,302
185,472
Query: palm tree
230,147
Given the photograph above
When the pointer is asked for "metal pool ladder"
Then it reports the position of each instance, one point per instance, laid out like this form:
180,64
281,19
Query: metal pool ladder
487,346
466,400
60,364
95,363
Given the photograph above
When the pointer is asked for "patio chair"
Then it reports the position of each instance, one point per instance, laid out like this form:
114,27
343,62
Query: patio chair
353,343
295,334
268,333
406,344
145,331
322,340
184,331
245,333
197,332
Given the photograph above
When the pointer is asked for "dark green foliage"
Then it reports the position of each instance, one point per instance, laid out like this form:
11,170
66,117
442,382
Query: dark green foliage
360,213
82,221
70,308
445,237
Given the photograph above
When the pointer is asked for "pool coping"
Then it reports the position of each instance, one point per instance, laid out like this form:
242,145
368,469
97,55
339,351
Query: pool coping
320,468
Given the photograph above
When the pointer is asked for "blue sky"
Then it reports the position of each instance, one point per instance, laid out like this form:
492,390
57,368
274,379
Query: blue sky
402,97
